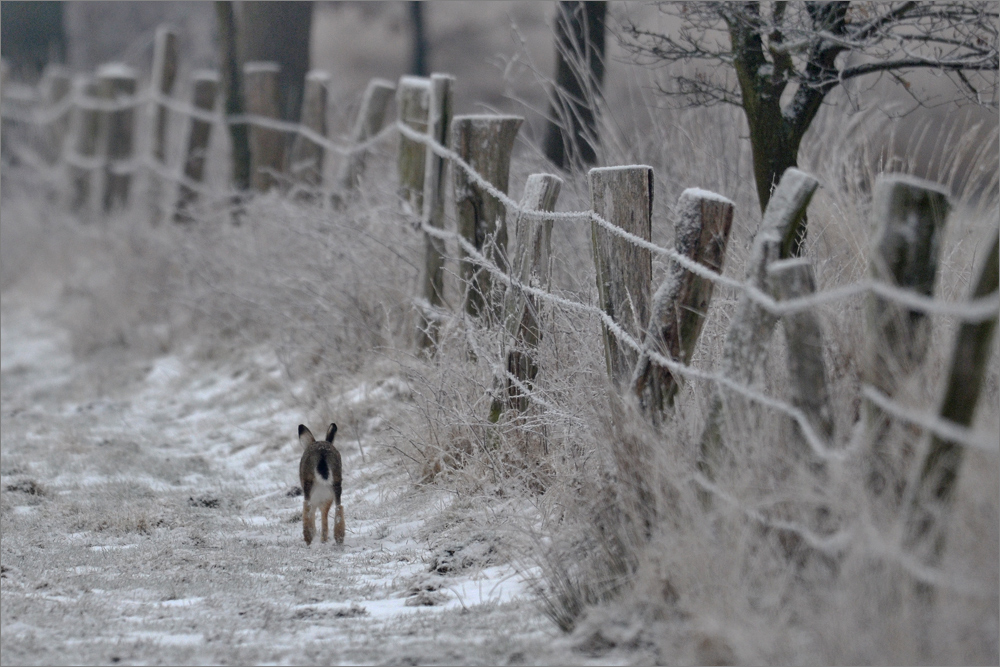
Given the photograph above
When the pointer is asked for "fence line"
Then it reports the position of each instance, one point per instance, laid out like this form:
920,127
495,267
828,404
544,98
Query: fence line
972,310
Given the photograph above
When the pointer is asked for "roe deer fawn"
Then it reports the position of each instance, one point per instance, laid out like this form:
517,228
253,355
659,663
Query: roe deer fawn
320,474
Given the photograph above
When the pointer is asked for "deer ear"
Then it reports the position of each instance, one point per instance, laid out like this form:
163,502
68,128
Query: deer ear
330,432
305,436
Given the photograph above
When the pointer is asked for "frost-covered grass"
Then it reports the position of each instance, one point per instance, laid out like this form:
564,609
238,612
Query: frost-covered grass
153,379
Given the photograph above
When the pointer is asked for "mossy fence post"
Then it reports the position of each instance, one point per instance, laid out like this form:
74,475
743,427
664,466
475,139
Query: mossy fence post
752,325
305,165
267,145
930,502
624,197
413,99
204,93
164,77
529,266
370,118
909,216
56,85
116,83
809,385
435,171
485,144
680,305
82,161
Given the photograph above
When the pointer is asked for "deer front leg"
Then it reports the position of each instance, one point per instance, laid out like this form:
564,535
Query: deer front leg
325,514
308,522
338,525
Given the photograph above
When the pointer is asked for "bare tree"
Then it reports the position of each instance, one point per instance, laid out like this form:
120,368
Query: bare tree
788,56
571,135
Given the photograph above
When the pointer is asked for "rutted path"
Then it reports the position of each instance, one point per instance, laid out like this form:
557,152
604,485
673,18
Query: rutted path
148,516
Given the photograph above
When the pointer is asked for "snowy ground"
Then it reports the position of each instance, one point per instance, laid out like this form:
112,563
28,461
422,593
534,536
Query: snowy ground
149,515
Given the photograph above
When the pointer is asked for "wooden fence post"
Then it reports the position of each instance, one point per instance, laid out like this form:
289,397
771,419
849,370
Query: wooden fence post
117,83
371,116
680,305
412,107
82,159
926,524
56,86
164,77
267,146
752,325
439,127
205,92
530,266
624,197
306,163
792,279
909,216
485,143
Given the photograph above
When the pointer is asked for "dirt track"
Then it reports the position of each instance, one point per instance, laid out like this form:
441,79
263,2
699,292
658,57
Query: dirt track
147,517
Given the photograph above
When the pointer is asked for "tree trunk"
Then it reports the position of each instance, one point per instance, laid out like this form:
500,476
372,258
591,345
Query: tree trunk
419,61
32,36
571,136
279,32
232,85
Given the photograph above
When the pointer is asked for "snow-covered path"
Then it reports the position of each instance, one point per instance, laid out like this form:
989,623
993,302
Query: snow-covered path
149,515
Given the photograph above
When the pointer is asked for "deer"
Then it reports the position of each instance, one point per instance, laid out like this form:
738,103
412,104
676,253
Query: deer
321,477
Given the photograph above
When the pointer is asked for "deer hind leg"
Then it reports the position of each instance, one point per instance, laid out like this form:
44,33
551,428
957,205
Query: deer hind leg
325,513
308,522
338,524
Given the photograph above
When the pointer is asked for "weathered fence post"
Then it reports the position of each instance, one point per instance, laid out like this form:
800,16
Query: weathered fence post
752,325
791,279
267,145
530,266
164,76
117,83
56,86
680,305
412,106
438,127
205,91
485,144
623,196
926,524
306,163
909,215
82,158
371,116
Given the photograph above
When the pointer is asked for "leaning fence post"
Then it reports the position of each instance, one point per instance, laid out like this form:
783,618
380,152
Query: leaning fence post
306,163
56,87
205,91
412,107
164,76
82,161
530,266
485,144
926,524
117,84
680,305
623,196
792,279
439,126
909,216
752,325
266,144
371,116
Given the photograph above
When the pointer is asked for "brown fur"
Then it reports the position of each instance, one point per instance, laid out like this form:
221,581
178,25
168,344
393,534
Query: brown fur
317,492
